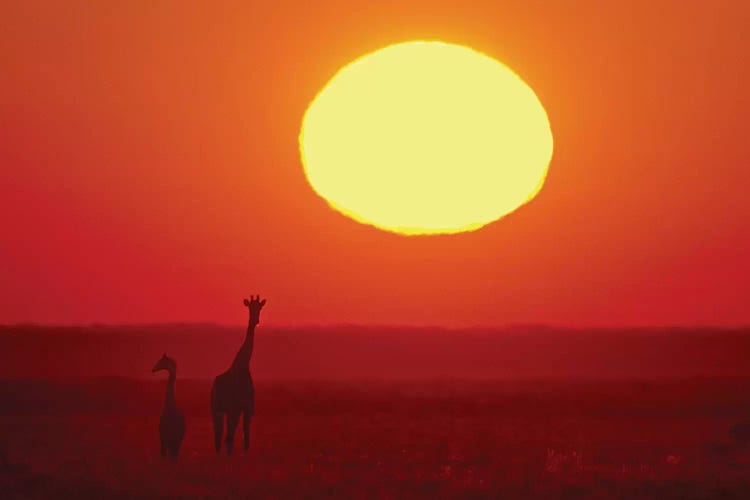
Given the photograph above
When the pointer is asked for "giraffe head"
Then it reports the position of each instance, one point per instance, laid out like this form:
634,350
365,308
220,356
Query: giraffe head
254,305
164,363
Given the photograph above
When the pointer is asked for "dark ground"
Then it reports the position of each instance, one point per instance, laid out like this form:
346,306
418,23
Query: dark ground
615,439
352,412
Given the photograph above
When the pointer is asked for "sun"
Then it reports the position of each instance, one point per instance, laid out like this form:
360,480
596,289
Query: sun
426,137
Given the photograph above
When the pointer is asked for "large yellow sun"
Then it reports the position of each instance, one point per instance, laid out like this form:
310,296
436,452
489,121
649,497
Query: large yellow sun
426,137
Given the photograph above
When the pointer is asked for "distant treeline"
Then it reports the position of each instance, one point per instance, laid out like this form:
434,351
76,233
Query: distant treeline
351,352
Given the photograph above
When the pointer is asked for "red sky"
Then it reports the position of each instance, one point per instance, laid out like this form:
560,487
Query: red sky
150,169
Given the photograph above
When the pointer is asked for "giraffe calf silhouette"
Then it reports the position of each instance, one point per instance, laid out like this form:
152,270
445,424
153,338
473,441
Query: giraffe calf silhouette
172,422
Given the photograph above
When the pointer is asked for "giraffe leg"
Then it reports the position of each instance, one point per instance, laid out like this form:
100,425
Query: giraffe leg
233,418
174,448
218,430
246,429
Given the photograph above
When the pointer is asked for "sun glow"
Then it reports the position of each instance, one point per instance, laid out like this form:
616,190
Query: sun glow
426,137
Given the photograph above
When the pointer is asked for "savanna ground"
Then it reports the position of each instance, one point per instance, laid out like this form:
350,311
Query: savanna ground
539,439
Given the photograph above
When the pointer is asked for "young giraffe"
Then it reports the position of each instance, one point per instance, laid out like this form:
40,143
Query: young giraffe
233,393
172,422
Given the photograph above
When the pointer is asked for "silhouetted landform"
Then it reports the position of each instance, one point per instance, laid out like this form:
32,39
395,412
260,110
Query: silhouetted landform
346,353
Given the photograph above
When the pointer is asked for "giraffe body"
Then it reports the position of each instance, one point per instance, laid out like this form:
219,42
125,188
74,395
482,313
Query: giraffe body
233,396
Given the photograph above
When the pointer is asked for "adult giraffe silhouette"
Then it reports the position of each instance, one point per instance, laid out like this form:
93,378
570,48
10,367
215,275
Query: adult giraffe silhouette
233,393
172,422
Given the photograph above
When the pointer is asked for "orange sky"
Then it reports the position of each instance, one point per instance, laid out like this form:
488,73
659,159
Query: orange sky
150,169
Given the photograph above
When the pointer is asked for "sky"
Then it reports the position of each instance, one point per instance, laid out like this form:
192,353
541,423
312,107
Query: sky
150,169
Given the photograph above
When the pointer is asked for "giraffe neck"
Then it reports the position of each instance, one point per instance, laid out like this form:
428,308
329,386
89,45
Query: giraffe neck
242,359
169,399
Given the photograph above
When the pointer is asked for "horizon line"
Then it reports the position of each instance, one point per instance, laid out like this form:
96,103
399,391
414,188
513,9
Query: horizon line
381,326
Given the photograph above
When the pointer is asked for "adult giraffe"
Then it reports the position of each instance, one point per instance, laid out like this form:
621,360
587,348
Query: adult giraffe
233,393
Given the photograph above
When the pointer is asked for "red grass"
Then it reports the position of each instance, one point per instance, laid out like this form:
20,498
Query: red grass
413,440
